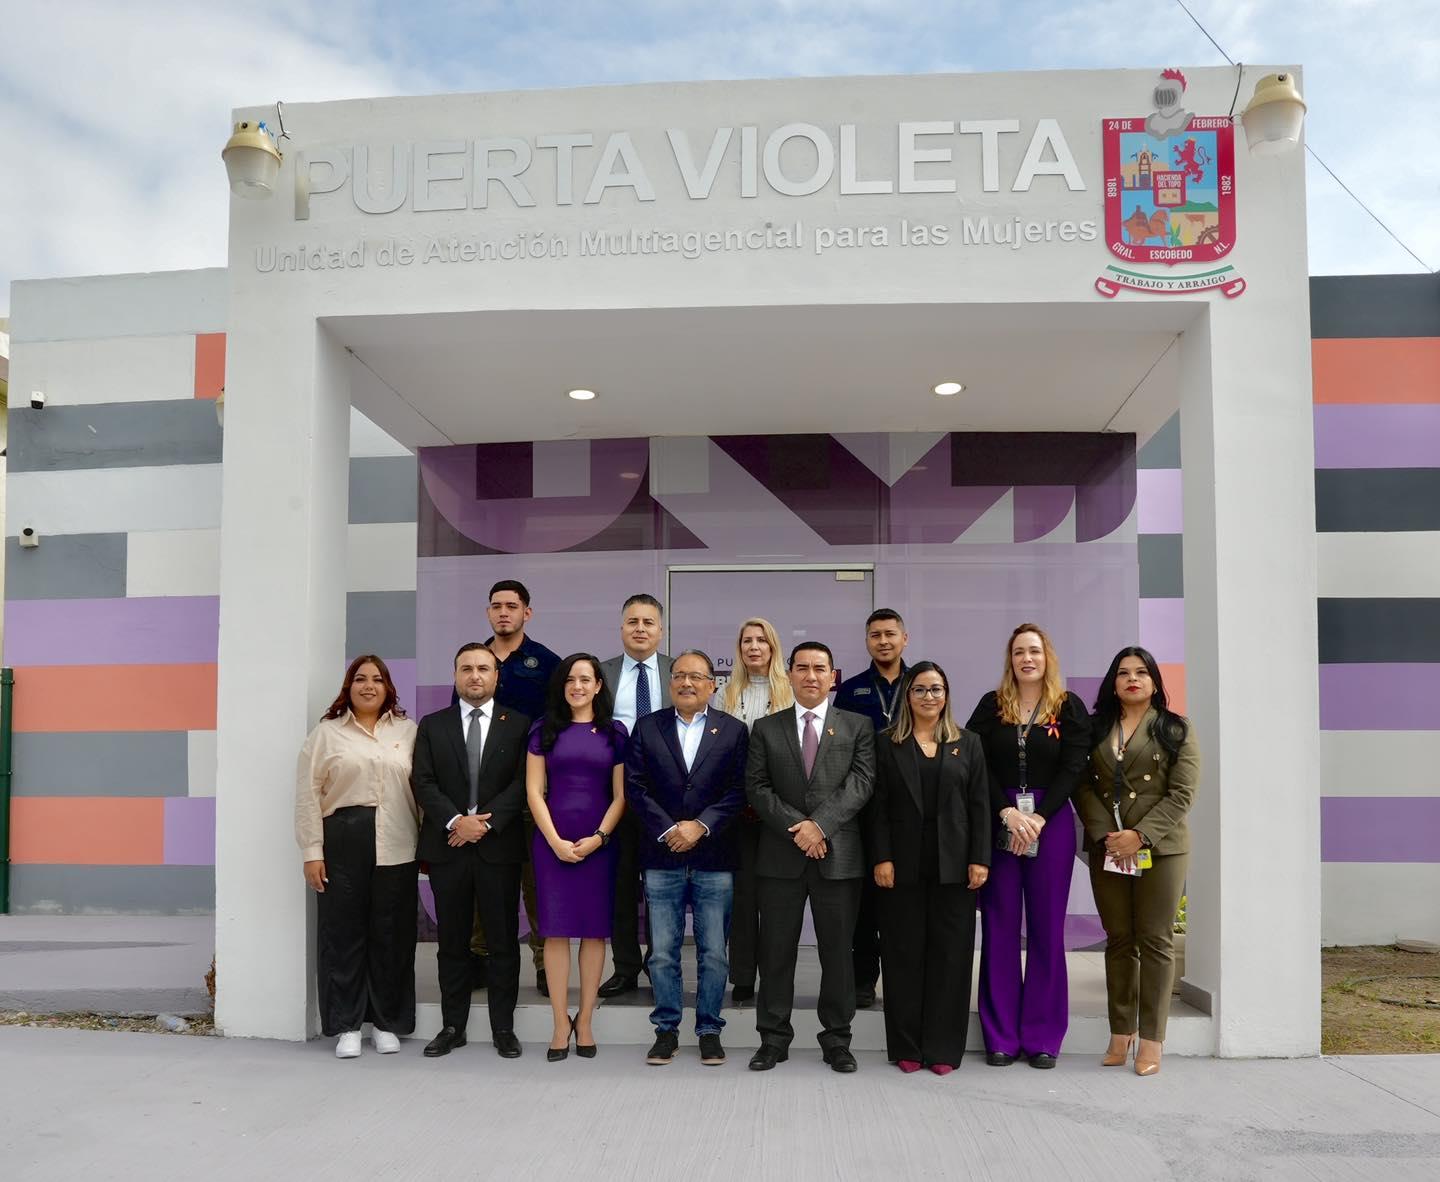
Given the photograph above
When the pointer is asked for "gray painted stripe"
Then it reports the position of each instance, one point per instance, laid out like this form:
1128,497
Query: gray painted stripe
1362,631
1375,306
1377,500
114,435
104,763
133,999
1162,571
67,566
383,488
1162,450
380,622
112,890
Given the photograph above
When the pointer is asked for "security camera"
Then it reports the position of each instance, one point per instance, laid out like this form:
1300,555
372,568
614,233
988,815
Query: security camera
29,539
37,399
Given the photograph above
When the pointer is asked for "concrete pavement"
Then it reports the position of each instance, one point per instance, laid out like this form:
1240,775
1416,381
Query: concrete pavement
112,1105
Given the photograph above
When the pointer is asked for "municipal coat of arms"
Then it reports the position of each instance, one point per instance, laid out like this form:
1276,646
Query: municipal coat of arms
1170,196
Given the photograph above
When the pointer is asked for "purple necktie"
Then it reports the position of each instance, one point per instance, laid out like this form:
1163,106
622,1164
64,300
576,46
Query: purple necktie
811,744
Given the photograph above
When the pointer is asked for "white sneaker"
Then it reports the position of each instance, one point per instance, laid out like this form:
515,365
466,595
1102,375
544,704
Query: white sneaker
347,1046
385,1042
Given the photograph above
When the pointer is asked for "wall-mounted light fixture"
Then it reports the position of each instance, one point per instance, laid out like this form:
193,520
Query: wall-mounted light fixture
252,157
220,407
1274,115
37,399
29,539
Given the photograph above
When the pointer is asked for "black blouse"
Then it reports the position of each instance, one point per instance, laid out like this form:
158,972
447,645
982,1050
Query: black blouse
1055,752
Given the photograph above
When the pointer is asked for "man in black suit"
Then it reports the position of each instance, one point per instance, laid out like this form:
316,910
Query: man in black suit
469,777
809,773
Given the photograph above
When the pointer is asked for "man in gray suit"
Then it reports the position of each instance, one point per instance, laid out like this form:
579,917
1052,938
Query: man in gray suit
639,680
809,773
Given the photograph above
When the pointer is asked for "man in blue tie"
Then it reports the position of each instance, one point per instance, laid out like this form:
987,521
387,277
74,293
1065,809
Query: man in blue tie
640,680
685,784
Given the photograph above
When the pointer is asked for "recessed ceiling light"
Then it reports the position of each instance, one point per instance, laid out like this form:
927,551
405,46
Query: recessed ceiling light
629,475
945,389
582,395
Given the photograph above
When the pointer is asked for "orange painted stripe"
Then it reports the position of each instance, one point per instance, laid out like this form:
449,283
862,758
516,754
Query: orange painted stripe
1376,370
88,830
209,364
1174,676
150,698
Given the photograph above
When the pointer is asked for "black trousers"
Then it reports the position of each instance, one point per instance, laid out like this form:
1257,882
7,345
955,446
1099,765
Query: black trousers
867,921
833,903
464,887
745,915
625,923
928,946
366,929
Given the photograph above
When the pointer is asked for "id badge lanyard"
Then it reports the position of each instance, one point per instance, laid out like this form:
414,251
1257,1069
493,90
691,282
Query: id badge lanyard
1025,799
1142,856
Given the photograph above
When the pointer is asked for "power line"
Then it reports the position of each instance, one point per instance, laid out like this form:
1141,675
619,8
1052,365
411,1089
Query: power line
1375,217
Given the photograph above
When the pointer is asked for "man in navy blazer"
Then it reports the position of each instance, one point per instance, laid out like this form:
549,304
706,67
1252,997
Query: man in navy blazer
685,782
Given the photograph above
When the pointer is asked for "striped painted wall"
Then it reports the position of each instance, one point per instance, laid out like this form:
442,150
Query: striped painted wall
113,808
1376,343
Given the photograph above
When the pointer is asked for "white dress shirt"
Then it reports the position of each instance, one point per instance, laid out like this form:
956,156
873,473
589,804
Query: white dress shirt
689,733
466,722
625,691
819,711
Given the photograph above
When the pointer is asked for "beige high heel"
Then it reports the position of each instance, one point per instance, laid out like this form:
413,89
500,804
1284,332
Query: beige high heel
1147,1057
1119,1052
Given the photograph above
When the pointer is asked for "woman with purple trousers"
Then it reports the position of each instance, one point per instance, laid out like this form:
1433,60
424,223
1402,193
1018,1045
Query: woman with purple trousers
1036,738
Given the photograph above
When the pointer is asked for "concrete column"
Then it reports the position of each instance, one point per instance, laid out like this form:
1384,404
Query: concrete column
282,639
1250,628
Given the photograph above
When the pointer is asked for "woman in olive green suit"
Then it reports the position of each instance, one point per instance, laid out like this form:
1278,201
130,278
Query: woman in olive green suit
1133,801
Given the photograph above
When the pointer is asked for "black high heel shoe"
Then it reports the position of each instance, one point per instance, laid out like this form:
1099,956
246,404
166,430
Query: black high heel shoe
584,1050
555,1054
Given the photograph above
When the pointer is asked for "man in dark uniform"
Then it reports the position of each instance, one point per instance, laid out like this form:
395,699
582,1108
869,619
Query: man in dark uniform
525,669
874,693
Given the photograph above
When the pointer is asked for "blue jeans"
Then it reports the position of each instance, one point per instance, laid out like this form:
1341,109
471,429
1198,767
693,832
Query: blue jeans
710,895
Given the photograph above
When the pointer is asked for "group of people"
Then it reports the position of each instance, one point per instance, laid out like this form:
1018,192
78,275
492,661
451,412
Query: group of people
580,784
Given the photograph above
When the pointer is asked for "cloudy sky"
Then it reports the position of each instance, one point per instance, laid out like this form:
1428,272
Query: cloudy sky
112,114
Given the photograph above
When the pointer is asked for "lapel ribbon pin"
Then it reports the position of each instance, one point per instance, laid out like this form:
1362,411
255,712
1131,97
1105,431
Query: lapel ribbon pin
954,750
714,730
830,731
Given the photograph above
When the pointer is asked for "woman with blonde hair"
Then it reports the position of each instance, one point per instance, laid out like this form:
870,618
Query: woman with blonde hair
758,685
1036,738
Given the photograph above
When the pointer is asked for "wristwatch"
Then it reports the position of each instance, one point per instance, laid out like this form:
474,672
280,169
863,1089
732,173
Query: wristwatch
603,836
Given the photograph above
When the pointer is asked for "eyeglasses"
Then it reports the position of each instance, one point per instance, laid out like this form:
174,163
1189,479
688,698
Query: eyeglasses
928,691
692,678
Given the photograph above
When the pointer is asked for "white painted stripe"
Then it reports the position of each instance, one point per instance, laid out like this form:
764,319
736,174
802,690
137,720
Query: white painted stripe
367,440
1378,763
119,305
201,755
381,557
1378,565
112,369
1378,903
173,562
114,500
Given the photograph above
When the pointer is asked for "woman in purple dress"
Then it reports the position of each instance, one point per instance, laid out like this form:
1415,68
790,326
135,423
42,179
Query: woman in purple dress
575,782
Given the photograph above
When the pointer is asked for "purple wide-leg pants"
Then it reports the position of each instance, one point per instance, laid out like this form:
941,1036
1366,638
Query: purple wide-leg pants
1027,1015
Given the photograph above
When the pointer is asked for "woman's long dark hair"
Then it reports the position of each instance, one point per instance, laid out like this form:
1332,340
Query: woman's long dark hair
947,730
1168,729
342,699
557,709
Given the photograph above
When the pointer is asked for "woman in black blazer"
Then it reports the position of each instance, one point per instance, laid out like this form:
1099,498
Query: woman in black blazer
930,835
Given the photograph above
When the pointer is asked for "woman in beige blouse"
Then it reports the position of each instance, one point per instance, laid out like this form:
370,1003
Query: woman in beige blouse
356,824
758,686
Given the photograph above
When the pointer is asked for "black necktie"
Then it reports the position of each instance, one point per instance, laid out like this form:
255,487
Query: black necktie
642,693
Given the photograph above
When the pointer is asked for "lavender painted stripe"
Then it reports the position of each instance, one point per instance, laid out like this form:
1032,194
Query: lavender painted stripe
1367,697
1159,509
170,630
1162,629
1085,688
190,831
430,698
402,672
1377,436
1363,829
